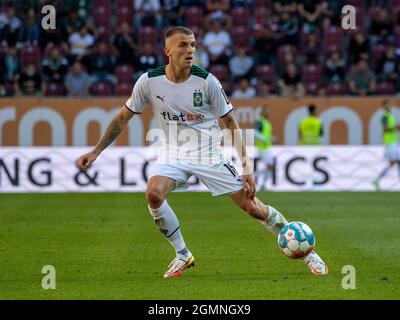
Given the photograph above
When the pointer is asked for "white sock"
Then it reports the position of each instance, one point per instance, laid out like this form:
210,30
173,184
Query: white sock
275,222
168,225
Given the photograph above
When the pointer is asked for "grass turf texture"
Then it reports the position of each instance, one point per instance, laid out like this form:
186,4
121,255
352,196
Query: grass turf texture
106,246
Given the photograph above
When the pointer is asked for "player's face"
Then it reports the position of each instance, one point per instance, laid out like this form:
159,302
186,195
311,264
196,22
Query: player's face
180,49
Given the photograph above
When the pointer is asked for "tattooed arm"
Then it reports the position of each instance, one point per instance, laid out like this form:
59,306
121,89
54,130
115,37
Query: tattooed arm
113,130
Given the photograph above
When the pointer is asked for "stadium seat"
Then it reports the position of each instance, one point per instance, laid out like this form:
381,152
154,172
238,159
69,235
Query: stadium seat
240,17
101,15
387,88
124,13
105,33
312,87
282,49
240,36
377,53
220,71
124,89
101,89
124,73
55,89
194,17
121,3
355,3
261,3
312,73
97,3
30,54
335,89
333,39
9,86
148,34
265,73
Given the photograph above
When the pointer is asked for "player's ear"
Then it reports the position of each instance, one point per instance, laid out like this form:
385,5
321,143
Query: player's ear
166,51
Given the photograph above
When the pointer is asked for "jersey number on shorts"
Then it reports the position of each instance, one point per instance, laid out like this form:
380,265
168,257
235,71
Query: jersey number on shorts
232,169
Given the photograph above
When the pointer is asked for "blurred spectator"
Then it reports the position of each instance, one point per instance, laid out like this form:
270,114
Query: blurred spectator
172,12
147,60
266,39
124,45
381,28
288,58
358,47
10,27
362,80
201,56
289,27
24,6
32,30
285,5
387,71
227,87
147,13
335,69
101,65
312,48
197,3
77,81
311,12
30,82
244,90
52,37
263,90
241,65
332,9
11,65
55,66
218,10
290,84
217,42
398,79
80,43
241,3
72,23
310,128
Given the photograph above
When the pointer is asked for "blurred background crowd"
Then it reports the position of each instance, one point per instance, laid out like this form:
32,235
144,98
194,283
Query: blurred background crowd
256,48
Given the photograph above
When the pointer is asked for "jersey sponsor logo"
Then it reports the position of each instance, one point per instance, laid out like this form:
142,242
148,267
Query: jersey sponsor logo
197,98
181,117
162,99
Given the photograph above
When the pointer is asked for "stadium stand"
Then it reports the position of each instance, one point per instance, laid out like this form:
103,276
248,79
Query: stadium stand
266,29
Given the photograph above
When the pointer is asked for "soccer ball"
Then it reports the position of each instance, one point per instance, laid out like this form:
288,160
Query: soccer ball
296,240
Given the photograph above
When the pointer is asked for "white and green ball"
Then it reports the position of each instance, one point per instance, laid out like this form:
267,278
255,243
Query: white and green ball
296,240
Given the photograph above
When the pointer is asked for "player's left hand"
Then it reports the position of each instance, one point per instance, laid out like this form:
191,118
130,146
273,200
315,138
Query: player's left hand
249,183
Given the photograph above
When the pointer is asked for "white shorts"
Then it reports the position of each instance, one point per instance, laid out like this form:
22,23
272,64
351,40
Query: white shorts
392,152
222,178
267,157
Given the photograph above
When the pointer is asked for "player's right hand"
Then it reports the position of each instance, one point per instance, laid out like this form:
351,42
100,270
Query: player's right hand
84,162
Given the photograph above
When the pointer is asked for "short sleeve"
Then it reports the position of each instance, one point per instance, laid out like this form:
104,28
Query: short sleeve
219,103
138,99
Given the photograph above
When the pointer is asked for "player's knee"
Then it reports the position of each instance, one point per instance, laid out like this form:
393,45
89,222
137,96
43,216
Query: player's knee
154,198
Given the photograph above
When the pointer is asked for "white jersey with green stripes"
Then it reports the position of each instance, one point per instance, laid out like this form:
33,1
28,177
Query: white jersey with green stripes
187,113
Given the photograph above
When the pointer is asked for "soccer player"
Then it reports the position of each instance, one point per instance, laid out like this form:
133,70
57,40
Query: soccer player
310,128
263,137
187,99
390,140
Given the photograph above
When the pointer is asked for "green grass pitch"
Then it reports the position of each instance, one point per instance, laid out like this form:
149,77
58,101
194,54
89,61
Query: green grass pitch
106,246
